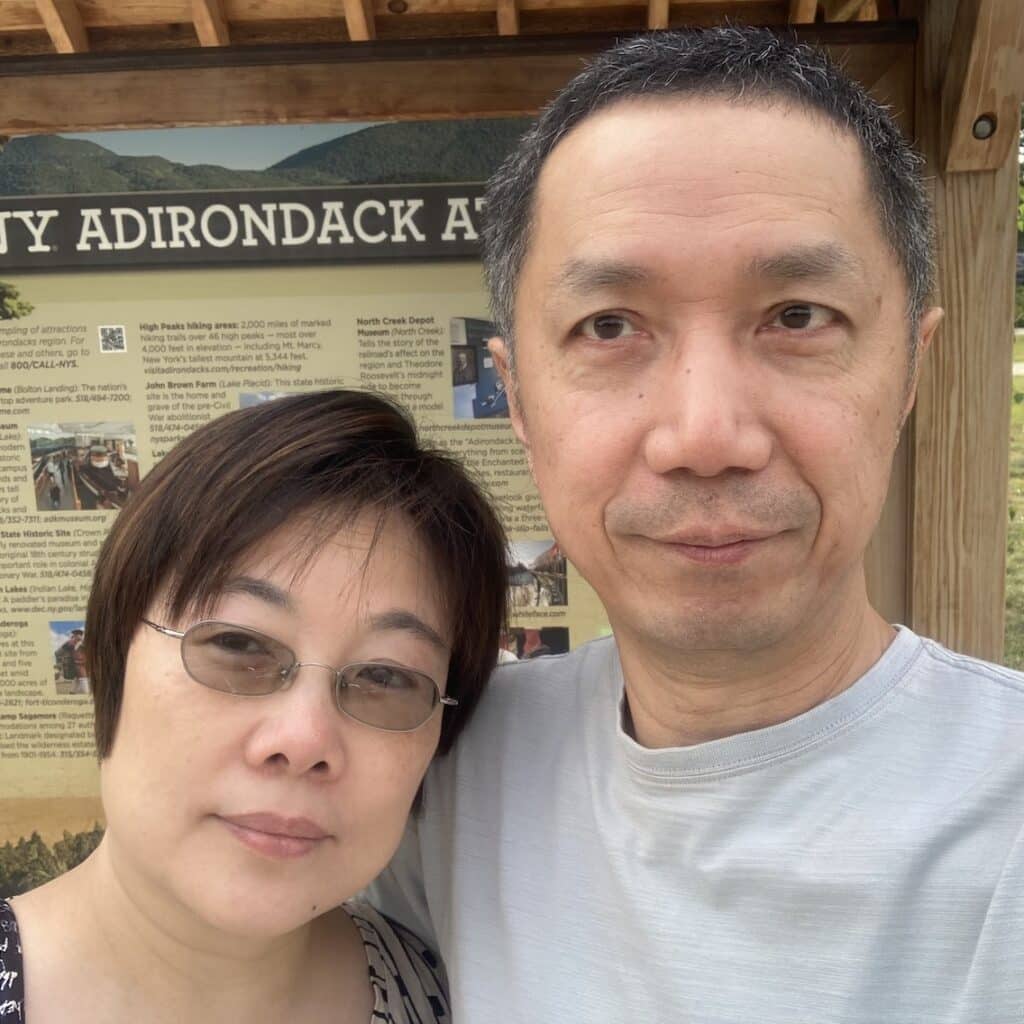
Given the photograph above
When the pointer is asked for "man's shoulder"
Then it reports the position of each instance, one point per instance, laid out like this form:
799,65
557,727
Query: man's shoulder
528,698
948,671
586,665
968,701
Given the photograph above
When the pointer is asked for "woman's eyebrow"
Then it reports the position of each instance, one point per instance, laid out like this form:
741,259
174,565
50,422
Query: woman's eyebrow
262,590
406,622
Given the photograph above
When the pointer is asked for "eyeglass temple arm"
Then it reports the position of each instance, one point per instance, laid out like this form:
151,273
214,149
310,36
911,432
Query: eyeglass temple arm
450,702
164,629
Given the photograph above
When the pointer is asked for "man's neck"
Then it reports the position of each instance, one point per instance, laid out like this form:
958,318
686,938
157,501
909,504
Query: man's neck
682,698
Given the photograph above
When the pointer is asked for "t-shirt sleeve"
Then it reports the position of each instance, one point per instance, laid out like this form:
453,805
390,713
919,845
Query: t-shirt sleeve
398,891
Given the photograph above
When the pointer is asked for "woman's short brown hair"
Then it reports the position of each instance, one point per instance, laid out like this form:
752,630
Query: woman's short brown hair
324,457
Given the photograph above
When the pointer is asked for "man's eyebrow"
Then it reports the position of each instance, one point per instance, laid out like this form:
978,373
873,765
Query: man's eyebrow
584,276
806,262
406,622
262,590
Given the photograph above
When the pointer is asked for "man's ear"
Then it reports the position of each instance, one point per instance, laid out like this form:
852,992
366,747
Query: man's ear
503,361
926,331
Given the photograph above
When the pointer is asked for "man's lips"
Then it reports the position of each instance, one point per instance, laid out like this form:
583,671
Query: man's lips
725,547
274,835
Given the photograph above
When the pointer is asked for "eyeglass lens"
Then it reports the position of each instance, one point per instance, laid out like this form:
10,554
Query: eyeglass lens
242,661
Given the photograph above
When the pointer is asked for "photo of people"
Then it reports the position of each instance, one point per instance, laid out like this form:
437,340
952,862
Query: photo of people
70,672
522,642
477,391
83,466
536,574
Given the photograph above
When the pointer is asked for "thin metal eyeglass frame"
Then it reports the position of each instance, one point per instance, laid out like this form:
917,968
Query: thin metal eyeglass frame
287,675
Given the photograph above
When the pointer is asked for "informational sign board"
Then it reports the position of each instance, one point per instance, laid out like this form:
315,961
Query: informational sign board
116,342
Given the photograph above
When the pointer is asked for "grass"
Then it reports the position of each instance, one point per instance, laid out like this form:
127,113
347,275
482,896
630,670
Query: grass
1014,650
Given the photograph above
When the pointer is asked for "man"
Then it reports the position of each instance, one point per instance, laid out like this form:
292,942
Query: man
66,656
710,265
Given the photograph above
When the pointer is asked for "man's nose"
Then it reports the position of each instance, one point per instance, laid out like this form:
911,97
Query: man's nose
707,416
300,728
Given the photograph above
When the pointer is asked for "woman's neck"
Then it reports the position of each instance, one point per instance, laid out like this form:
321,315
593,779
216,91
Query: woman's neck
143,954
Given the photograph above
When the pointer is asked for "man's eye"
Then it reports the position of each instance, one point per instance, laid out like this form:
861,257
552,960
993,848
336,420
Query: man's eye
606,327
802,316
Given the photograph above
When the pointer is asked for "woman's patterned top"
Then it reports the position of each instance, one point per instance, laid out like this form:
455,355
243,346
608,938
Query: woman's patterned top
406,978
12,976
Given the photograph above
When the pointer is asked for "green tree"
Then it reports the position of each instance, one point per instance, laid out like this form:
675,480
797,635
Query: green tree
12,305
30,862
73,849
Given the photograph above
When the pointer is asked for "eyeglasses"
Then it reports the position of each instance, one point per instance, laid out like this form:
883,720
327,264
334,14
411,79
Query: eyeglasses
234,659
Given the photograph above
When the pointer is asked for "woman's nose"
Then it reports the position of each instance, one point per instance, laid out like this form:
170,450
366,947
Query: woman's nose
300,731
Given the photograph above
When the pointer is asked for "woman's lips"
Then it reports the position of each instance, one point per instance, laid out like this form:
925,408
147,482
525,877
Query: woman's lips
275,836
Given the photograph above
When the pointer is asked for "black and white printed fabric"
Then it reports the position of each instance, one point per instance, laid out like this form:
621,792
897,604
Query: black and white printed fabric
12,977
406,977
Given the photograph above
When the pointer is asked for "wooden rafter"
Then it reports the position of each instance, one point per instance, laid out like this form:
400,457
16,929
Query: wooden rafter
984,84
211,26
359,20
844,10
64,25
657,13
508,18
802,12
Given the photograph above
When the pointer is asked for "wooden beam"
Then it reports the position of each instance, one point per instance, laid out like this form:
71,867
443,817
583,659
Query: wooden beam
961,428
508,18
984,84
211,27
802,12
842,10
361,90
657,14
64,25
359,20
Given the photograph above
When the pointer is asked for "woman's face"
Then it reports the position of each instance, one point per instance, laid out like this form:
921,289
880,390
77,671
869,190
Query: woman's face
258,813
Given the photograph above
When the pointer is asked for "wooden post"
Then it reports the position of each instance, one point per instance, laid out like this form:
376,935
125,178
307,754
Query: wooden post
960,432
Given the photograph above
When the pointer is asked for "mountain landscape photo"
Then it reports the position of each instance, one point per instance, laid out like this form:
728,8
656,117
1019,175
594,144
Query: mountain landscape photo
396,153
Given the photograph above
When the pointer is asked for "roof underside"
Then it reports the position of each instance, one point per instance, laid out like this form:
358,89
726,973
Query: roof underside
37,27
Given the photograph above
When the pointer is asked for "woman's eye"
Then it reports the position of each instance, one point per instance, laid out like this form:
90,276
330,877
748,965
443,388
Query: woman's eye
237,643
386,677
606,327
802,316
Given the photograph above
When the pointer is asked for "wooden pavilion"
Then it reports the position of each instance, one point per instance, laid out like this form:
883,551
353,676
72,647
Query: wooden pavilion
953,71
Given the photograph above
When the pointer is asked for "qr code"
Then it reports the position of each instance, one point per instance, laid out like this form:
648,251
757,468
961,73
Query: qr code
112,339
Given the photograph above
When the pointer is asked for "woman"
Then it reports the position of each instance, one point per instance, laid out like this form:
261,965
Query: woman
299,605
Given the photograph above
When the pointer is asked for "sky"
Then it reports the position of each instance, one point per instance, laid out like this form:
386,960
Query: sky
244,148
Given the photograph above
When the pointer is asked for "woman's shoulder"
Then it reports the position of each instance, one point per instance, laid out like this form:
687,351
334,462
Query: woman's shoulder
406,976
12,975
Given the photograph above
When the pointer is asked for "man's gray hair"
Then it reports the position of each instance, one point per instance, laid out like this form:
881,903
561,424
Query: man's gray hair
741,64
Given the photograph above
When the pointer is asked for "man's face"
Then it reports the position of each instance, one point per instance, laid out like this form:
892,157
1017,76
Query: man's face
711,367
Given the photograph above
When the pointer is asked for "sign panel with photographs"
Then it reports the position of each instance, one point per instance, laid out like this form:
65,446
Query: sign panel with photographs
103,371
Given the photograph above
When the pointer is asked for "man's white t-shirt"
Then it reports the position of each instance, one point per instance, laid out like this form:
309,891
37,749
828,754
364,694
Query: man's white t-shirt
860,864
